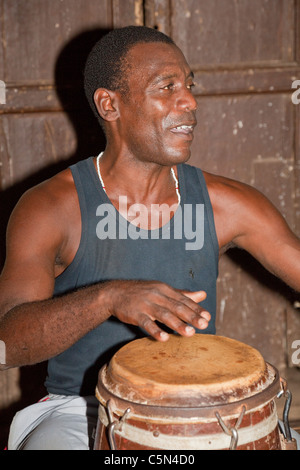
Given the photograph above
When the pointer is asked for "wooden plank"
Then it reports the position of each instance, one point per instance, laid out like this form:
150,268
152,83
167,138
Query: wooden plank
38,98
235,32
158,15
32,142
41,32
245,80
127,13
235,131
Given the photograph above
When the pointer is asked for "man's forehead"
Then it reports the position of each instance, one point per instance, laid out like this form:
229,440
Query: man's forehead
157,59
169,74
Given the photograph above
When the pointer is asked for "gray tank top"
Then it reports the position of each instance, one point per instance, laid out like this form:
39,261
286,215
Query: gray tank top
183,253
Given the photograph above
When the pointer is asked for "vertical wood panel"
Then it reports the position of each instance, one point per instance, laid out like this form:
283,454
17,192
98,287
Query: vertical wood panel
126,13
33,32
158,15
28,154
235,32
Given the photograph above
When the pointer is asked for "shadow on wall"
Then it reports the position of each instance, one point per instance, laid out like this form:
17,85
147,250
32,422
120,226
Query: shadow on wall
90,140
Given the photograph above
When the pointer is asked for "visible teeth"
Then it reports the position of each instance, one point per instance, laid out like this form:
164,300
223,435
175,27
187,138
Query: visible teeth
184,127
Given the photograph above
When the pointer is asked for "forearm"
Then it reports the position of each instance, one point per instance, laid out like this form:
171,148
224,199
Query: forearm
35,331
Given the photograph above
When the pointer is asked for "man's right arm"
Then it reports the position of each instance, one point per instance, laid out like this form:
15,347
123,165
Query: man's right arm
34,326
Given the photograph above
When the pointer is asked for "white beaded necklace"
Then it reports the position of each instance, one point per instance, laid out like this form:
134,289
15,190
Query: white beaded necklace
102,184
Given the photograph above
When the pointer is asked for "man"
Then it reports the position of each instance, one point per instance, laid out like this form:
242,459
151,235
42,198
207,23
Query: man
104,252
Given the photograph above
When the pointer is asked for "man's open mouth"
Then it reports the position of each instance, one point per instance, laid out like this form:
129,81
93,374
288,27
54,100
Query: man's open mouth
183,129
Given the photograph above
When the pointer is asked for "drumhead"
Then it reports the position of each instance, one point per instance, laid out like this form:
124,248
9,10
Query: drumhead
197,371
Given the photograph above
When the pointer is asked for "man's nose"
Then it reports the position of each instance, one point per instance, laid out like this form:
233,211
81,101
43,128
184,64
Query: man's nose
186,100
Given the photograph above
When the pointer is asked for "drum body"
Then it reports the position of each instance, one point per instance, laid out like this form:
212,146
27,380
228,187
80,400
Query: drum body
205,392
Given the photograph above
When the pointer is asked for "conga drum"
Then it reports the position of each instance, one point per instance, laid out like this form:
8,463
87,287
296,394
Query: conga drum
204,392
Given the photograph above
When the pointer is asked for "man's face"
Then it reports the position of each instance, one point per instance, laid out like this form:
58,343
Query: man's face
157,118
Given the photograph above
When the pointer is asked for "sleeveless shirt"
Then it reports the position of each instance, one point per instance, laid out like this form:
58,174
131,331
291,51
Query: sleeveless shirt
183,253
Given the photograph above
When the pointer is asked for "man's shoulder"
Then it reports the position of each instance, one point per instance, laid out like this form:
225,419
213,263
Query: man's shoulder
235,200
51,196
217,182
225,188
220,187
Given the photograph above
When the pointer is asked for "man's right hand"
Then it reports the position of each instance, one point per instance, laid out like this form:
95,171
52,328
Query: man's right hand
142,303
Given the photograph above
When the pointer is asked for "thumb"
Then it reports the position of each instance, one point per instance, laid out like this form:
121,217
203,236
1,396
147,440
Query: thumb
197,296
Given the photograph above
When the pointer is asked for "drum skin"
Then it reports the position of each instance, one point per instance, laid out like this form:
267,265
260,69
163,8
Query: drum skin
188,394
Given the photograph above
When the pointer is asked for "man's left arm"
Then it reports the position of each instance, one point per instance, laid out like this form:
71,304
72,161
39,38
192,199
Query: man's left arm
263,232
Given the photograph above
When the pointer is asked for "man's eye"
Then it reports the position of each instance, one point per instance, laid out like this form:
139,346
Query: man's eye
191,86
170,86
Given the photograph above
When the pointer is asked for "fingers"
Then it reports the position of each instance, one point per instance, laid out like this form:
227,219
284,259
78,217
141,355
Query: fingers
151,327
147,303
198,296
203,317
180,312
148,324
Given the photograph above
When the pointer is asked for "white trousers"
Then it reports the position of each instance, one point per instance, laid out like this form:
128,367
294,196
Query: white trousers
55,423
60,423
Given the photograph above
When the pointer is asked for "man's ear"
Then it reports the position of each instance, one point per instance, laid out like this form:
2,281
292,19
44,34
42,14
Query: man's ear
107,104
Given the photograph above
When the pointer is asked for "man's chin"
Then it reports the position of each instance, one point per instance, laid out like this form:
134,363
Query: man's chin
180,156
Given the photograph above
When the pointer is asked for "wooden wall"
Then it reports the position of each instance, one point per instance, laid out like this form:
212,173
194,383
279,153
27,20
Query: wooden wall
245,55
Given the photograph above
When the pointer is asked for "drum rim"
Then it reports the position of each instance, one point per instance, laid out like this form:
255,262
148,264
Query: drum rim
206,411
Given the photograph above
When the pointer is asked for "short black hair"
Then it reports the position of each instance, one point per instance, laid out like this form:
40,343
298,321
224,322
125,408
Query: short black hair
105,65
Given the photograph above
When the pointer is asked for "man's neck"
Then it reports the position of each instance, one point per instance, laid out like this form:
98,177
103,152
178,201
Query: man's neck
144,193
